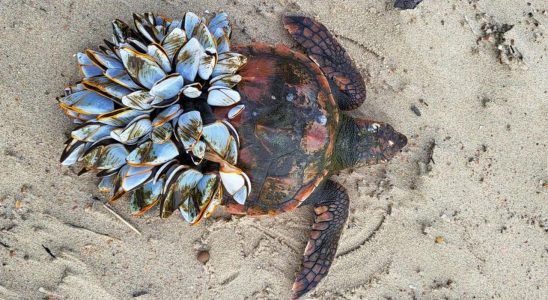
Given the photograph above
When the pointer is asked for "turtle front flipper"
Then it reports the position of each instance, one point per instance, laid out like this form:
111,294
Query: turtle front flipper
346,81
331,209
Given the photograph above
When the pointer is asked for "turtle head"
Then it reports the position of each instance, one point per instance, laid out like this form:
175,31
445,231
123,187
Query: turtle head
377,142
366,142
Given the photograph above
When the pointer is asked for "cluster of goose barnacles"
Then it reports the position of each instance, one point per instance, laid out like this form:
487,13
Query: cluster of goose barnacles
144,119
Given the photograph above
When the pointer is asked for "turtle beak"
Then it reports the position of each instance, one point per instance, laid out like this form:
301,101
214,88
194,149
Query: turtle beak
390,141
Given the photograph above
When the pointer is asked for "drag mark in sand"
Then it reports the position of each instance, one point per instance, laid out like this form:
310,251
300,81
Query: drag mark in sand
370,236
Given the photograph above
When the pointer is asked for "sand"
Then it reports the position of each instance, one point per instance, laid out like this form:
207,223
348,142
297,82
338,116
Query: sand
461,213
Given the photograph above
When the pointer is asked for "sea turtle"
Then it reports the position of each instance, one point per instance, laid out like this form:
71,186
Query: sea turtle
294,135
152,113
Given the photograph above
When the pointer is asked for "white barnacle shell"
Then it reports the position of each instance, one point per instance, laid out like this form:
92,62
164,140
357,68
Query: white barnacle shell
143,123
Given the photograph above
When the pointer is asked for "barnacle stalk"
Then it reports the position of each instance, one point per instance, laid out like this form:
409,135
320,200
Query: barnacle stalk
143,110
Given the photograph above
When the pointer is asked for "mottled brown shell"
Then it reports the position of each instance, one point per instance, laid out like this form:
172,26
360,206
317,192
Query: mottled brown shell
287,129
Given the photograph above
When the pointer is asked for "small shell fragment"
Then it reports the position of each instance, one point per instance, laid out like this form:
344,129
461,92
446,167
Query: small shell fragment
202,34
223,44
198,152
203,194
225,81
135,176
173,42
219,25
138,128
91,132
103,61
217,136
161,170
87,102
189,128
179,192
191,21
87,67
145,27
72,152
112,157
193,90
90,158
160,56
105,86
207,63
229,63
188,59
232,182
145,197
119,117
241,195
150,154
121,77
121,31
162,134
168,87
141,67
167,115
223,97
140,100
235,111
231,155
107,184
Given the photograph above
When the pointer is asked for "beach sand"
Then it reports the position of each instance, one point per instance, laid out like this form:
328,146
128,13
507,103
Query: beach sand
461,213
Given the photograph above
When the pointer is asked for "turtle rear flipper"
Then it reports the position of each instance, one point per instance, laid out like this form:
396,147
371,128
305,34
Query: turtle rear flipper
331,209
332,58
